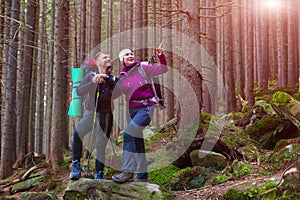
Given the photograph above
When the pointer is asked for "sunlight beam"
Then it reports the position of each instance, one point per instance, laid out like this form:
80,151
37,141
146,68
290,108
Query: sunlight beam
272,4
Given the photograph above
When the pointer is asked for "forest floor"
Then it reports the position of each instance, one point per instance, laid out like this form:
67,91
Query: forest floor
57,180
60,178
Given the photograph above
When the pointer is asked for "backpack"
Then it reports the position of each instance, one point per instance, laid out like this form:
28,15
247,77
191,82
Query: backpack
154,81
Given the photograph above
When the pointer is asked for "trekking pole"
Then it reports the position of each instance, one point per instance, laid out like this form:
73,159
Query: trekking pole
93,130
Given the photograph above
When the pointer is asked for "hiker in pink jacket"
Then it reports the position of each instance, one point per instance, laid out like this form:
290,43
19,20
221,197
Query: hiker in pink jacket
140,99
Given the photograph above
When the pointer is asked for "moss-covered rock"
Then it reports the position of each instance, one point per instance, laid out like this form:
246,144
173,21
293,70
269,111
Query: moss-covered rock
269,130
27,184
208,159
189,178
38,196
108,190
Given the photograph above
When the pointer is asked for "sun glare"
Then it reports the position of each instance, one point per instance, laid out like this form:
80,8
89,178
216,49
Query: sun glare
273,4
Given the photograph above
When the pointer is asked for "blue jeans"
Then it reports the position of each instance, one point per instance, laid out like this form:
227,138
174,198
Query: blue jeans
134,153
105,120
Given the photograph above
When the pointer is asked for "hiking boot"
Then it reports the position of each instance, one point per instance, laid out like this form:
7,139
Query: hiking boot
99,175
76,170
123,177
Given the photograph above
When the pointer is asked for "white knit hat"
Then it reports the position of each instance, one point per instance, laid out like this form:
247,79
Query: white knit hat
121,55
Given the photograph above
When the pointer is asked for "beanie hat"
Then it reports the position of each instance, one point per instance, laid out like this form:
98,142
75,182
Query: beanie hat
122,54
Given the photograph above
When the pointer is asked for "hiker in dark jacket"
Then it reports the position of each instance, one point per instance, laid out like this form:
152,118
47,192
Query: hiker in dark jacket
102,83
140,100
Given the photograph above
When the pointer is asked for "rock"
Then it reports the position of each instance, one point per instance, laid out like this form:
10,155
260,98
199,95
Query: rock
189,178
38,196
269,130
292,175
27,184
107,189
286,106
208,159
218,146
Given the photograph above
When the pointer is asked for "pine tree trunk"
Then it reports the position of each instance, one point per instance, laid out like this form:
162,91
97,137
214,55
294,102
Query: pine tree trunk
237,53
8,142
228,63
292,66
168,94
264,68
41,58
26,75
59,111
82,30
249,51
281,38
96,23
138,22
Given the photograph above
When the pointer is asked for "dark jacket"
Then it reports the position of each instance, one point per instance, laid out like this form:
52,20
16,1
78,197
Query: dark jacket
89,90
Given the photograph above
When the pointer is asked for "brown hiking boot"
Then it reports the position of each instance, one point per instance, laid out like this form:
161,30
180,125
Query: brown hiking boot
123,177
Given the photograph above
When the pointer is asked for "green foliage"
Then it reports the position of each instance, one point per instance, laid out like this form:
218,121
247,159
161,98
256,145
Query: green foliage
163,176
65,164
262,126
238,169
234,194
280,98
219,180
285,155
243,169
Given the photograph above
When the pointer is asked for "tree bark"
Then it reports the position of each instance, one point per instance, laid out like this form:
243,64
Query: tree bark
138,22
228,63
41,63
96,23
59,110
292,66
237,52
8,142
167,38
26,75
265,57
249,51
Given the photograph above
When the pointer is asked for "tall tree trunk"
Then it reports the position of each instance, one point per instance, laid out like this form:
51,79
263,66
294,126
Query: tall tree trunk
209,22
249,51
109,27
264,54
59,110
228,55
281,38
41,58
145,30
8,142
27,62
96,23
191,27
168,94
82,30
237,52
138,10
292,69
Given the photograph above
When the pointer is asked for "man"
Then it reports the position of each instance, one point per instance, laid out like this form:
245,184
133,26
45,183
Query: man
97,88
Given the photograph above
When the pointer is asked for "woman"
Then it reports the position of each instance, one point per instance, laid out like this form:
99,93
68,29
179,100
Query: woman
140,99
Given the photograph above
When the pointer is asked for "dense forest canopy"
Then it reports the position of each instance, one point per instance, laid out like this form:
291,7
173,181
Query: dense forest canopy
217,50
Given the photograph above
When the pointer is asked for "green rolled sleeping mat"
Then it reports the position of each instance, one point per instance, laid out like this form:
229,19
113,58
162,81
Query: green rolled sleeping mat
75,109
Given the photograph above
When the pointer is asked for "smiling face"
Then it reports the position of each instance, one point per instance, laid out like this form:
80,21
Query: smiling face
128,59
103,62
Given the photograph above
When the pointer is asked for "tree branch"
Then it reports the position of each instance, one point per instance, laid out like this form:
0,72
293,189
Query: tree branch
25,176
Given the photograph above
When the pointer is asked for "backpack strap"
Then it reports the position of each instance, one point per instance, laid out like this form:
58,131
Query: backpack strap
150,81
